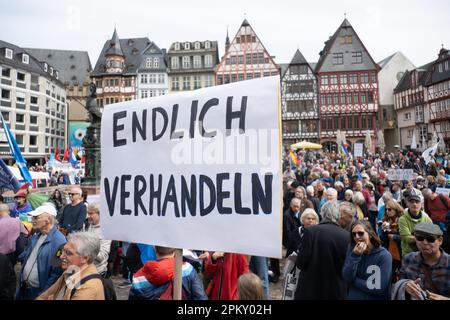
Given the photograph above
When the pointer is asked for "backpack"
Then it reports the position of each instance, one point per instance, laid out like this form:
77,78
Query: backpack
167,294
108,286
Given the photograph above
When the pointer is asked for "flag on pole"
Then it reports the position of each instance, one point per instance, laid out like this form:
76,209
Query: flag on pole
429,153
73,158
15,151
66,154
344,150
294,157
7,178
57,158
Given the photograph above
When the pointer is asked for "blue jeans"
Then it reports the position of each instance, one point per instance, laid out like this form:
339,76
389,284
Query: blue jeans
258,265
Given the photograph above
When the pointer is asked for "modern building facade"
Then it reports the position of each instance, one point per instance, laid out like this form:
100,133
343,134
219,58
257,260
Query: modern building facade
410,103
191,65
299,110
32,98
74,72
245,58
392,70
438,95
347,88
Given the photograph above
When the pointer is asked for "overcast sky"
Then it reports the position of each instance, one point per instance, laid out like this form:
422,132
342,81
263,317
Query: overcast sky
416,27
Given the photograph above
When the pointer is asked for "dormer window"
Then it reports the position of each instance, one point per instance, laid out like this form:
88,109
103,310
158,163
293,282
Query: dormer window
51,71
56,74
9,53
25,58
45,67
177,46
197,45
207,44
187,46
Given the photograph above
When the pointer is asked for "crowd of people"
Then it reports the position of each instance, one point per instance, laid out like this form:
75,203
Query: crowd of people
350,230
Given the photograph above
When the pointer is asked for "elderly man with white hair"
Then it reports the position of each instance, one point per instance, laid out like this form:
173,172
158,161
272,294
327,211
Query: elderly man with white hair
77,259
37,273
322,258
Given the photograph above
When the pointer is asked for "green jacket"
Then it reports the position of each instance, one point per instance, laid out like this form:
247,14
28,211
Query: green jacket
406,225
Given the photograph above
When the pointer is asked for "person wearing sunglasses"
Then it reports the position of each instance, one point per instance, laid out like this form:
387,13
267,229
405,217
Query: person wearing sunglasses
406,223
425,274
368,265
74,214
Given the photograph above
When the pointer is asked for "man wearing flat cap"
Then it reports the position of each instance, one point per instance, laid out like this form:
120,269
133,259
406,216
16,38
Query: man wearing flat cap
429,268
408,221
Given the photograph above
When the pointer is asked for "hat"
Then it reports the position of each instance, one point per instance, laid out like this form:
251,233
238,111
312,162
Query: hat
414,197
55,260
48,208
428,228
20,193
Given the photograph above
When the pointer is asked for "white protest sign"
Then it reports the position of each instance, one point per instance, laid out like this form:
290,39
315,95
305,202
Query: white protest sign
358,150
197,170
443,191
400,174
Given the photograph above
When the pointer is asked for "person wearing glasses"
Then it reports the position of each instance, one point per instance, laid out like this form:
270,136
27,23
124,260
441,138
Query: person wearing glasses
406,223
390,234
74,214
37,273
425,274
368,266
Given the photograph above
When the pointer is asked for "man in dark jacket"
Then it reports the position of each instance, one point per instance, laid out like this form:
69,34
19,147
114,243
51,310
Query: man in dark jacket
291,223
7,278
322,257
74,214
37,273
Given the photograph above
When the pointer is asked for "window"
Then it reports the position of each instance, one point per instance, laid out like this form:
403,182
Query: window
343,100
197,82
187,46
33,100
333,79
338,58
233,59
186,62
175,84
155,62
234,77
248,58
440,65
20,97
148,62
116,82
20,76
407,116
20,118
175,62
241,76
207,44
186,83
370,97
197,62
241,59
197,45
249,75
335,99
161,78
219,79
208,61
373,77
363,98
353,78
19,139
5,115
349,98
33,119
144,78
177,46
261,57
329,99
9,53
6,72
346,39
51,71
33,140
208,81
364,78
357,57
25,58
255,58
6,94
45,67
227,61
355,97
324,80
152,78
343,79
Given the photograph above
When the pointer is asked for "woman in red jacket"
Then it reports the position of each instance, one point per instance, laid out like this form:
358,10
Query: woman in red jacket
224,269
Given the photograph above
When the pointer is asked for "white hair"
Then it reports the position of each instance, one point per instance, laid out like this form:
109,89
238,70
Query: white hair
330,211
333,191
87,244
338,184
358,198
310,190
308,212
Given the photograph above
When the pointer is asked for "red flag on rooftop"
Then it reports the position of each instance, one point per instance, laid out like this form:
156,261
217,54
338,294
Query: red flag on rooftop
57,154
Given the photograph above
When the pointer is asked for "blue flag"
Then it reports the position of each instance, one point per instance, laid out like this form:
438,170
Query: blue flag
7,178
15,151
73,158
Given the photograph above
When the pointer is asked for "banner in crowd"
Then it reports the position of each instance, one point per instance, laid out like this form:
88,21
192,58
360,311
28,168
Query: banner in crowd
445,191
400,174
358,149
197,170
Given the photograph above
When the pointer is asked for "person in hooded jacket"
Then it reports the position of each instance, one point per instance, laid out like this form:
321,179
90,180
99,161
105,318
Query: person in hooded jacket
153,279
368,266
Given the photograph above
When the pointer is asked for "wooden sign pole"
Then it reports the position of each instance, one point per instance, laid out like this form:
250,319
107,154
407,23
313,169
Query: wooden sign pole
177,284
